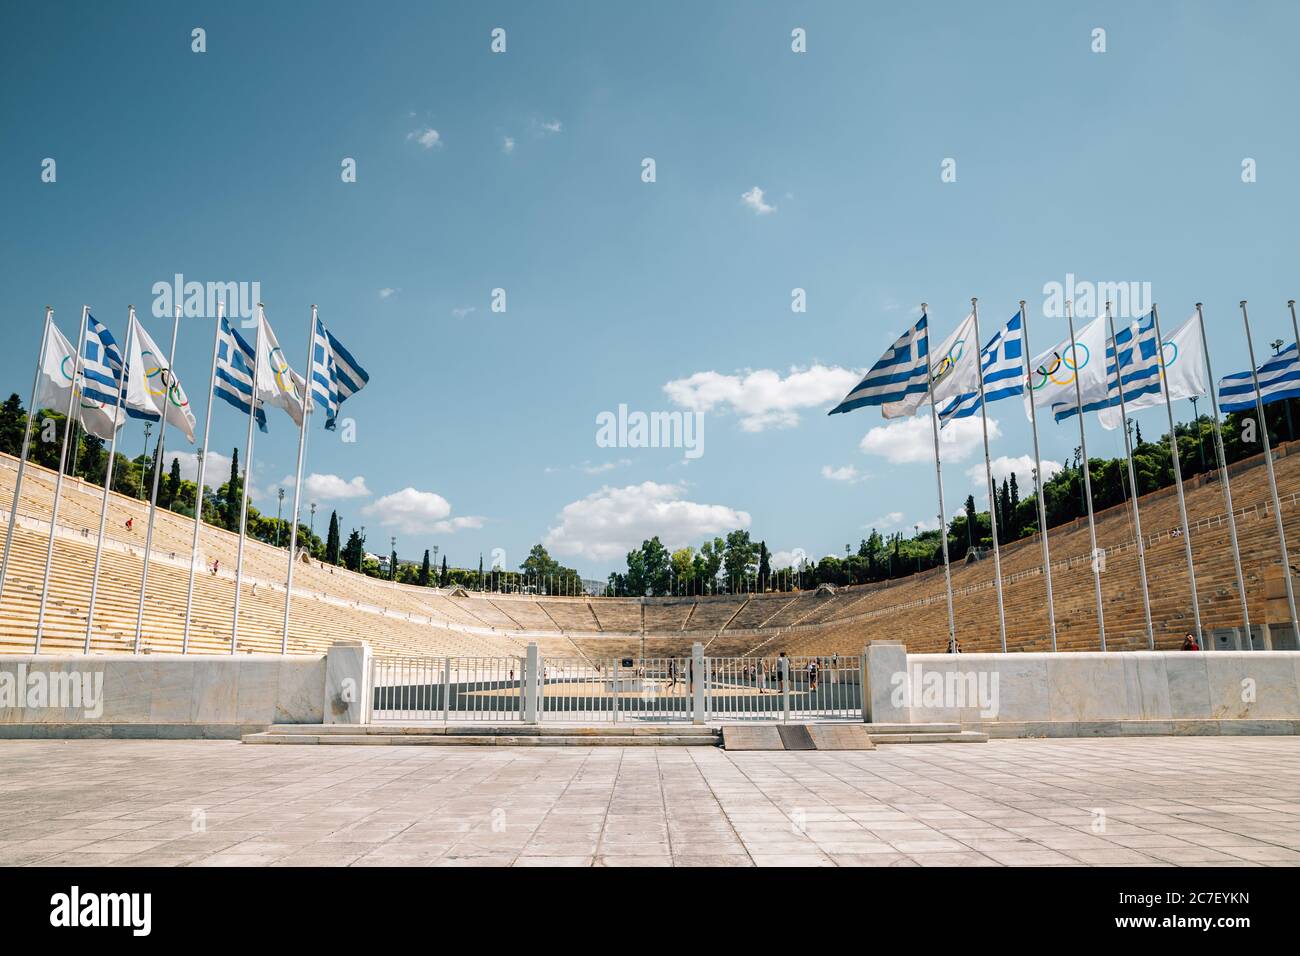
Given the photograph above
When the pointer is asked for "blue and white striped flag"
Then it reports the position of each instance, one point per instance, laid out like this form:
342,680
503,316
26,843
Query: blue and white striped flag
101,363
1139,364
902,371
234,379
1003,364
1279,378
335,374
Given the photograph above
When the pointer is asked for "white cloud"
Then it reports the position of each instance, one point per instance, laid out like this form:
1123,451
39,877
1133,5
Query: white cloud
891,520
552,126
417,512
844,473
316,487
610,522
426,137
591,469
217,472
1003,466
462,311
386,292
910,440
762,398
508,144
793,558
754,200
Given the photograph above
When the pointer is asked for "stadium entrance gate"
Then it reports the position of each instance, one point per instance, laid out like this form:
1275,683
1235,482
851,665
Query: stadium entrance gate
593,690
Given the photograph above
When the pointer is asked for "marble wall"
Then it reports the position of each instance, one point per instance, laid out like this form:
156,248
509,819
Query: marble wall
1086,687
163,690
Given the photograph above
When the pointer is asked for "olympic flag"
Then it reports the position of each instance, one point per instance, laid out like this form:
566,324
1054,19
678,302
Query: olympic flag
152,386
1052,374
278,384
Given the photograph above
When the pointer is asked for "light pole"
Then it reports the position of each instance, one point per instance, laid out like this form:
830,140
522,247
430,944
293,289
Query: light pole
143,456
435,564
311,526
279,514
1200,446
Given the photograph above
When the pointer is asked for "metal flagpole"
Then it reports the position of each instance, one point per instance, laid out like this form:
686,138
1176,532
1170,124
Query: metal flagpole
297,485
248,473
1132,481
198,491
22,457
1038,471
58,481
938,472
168,377
1223,472
1087,479
988,472
1178,478
108,478
1272,479
1295,330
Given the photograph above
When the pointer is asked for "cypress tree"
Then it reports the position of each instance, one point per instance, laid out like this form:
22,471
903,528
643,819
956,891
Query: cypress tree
232,493
332,540
423,579
173,486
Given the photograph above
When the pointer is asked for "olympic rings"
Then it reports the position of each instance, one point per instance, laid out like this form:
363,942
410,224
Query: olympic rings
282,378
1164,361
950,360
1058,361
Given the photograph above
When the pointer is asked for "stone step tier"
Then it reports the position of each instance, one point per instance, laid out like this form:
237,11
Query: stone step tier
817,736
489,735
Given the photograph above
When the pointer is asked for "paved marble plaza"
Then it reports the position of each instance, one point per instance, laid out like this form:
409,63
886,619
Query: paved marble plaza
1150,801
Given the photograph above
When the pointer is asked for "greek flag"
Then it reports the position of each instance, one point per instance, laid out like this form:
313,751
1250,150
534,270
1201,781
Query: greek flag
1139,364
101,363
1003,365
101,369
235,364
902,371
335,374
1279,378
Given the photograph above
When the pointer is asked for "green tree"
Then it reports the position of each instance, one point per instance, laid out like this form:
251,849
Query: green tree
173,486
709,564
738,558
93,459
332,540
423,579
682,562
232,494
765,566
444,579
354,552
13,422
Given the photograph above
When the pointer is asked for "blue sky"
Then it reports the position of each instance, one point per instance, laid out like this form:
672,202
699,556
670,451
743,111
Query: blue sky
225,166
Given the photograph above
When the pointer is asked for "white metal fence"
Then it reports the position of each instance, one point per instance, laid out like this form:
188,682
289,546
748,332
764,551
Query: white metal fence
498,689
